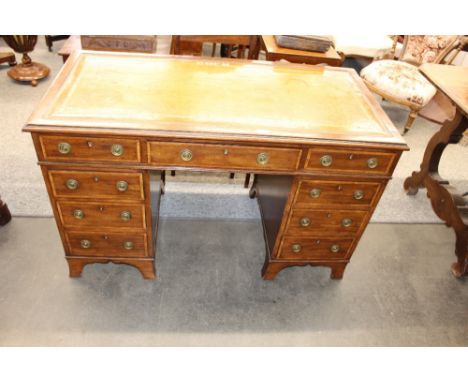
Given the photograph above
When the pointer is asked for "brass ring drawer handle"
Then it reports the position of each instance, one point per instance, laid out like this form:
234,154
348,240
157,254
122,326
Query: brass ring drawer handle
346,222
64,148
262,158
296,248
85,244
121,185
315,193
117,150
78,214
304,222
128,245
335,248
186,155
326,160
372,162
126,215
72,184
358,194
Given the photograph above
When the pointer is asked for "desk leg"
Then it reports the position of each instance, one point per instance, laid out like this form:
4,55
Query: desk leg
146,267
450,132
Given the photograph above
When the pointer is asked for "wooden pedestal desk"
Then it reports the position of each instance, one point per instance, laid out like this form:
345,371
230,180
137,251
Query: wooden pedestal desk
320,145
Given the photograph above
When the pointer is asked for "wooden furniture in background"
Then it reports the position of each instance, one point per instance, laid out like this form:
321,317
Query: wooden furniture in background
247,46
28,70
276,53
320,143
8,57
119,43
5,215
50,39
448,204
400,81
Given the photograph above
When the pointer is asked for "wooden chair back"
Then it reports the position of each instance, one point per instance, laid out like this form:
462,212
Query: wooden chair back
421,49
244,46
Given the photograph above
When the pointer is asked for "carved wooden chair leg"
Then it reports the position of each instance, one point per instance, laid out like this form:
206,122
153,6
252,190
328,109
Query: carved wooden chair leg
409,122
5,215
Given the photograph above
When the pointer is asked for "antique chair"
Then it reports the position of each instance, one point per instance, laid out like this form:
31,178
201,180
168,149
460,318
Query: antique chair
232,46
238,44
400,81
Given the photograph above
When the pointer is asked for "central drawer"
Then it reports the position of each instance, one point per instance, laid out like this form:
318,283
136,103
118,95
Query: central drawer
95,184
223,156
107,244
88,215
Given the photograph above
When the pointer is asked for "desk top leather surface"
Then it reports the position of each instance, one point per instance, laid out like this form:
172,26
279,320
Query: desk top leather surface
132,93
452,80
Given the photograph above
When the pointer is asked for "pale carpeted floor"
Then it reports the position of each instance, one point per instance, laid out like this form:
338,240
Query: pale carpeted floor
191,195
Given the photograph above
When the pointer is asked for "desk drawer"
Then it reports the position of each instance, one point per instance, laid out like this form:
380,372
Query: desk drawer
223,156
304,222
352,161
95,184
294,248
106,215
107,245
340,194
90,149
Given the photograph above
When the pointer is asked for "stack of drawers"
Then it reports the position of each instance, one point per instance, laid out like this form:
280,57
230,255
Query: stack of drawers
329,211
103,213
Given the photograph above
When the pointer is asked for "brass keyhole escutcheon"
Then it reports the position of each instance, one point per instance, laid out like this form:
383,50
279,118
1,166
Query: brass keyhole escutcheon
226,152
126,215
186,155
372,162
117,150
358,194
296,248
72,184
305,222
315,193
346,222
78,214
326,160
335,248
121,185
128,245
85,244
262,158
64,148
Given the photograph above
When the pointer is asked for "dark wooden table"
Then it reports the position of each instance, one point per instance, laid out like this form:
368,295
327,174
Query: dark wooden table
448,203
276,53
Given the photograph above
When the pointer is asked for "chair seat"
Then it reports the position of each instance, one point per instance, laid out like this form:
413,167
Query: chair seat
400,81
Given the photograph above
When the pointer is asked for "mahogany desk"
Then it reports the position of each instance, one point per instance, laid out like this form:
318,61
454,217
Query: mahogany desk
448,204
321,146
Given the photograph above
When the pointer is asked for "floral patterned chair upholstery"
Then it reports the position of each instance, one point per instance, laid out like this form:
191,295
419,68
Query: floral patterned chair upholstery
400,81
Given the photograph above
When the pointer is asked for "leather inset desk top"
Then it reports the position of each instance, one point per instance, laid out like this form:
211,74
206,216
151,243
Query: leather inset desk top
196,96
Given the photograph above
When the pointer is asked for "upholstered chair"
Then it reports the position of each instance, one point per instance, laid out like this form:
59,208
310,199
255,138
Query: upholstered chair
400,81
